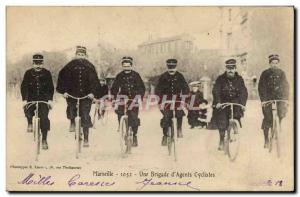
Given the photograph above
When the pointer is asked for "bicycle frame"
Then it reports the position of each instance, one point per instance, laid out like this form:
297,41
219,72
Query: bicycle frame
129,133
78,131
232,124
274,132
172,138
36,125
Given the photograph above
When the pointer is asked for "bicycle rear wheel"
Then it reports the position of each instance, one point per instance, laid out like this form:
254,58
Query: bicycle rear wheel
233,141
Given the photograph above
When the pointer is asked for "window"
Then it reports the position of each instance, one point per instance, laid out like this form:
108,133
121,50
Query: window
229,38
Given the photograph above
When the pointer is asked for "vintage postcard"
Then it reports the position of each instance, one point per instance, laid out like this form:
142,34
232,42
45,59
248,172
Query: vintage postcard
150,98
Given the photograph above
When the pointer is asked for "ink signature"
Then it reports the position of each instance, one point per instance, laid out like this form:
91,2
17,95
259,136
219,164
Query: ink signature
32,179
151,182
75,180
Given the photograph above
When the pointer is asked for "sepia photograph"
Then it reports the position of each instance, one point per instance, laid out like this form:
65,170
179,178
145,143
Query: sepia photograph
150,98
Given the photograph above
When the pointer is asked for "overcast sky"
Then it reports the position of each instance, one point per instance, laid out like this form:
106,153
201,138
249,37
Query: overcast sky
34,29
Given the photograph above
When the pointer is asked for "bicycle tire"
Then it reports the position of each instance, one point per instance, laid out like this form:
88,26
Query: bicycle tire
277,137
77,137
94,119
174,144
170,138
123,130
36,134
271,135
233,144
129,140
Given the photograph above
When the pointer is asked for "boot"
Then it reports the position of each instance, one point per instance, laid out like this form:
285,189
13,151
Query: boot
44,145
135,141
164,141
86,137
179,133
29,128
221,146
221,143
72,126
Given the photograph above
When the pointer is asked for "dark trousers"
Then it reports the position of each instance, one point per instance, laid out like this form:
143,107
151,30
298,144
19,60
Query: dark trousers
43,115
133,119
193,116
166,121
84,111
268,116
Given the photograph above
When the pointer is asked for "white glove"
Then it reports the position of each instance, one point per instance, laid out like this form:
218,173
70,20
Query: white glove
218,106
50,103
24,103
65,95
91,96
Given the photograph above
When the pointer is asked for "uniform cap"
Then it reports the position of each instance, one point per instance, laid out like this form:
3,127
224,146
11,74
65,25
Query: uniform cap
81,49
171,63
231,63
127,59
273,57
38,58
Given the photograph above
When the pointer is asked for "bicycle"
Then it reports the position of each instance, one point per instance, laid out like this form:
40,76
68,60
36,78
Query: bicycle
171,138
232,142
274,132
126,133
78,129
100,110
36,126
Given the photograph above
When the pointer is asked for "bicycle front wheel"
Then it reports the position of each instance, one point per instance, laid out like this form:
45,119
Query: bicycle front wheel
123,131
233,141
170,138
37,137
78,136
277,137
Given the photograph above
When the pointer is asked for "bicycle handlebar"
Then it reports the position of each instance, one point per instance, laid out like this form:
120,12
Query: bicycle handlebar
31,103
223,105
77,98
264,103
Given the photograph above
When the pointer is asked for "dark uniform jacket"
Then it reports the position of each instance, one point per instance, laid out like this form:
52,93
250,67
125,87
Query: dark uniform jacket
171,85
37,85
78,78
103,90
232,91
197,100
273,85
129,84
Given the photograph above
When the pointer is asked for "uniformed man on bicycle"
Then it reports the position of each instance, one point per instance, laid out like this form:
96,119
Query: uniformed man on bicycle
172,86
273,85
229,88
37,85
128,84
79,78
